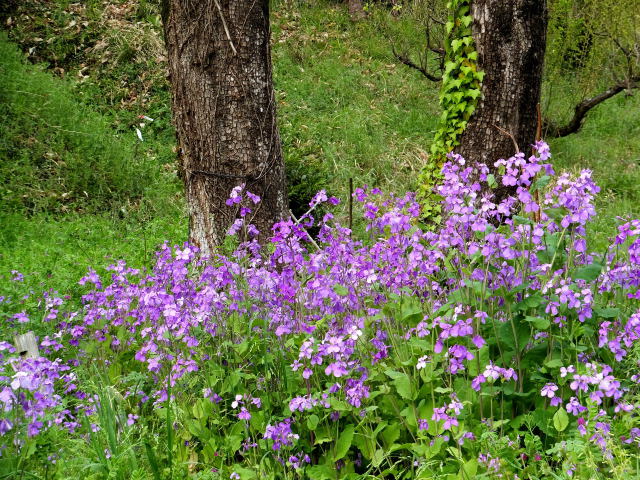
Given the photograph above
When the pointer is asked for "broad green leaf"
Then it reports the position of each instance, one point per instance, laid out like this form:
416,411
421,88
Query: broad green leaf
321,472
340,290
323,435
403,387
344,443
378,457
539,322
560,420
588,273
312,422
391,434
607,312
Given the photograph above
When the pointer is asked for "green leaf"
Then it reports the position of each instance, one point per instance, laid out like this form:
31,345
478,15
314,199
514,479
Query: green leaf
378,457
402,383
323,435
411,310
312,422
588,272
202,409
540,183
539,322
340,290
473,93
391,434
607,312
520,220
344,443
532,301
234,442
560,420
554,363
321,472
448,27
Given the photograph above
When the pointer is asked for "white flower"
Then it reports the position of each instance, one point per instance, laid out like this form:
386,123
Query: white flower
422,362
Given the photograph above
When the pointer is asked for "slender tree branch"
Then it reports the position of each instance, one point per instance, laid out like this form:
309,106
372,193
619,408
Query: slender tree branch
510,135
586,105
436,20
402,58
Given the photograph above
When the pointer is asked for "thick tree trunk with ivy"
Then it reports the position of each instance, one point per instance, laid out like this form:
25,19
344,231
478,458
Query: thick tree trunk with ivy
224,112
510,39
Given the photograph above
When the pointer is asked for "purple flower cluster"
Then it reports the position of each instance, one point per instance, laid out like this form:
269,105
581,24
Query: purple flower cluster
30,395
281,434
465,304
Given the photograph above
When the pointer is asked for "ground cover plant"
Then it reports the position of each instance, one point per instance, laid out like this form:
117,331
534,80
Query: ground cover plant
498,346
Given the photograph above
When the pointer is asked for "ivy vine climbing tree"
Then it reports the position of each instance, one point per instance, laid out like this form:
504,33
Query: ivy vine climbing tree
460,90
491,84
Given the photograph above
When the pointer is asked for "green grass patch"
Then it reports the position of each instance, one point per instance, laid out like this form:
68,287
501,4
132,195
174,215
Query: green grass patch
56,154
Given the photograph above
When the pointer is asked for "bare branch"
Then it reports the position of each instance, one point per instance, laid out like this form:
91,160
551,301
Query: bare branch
586,105
436,20
401,57
226,29
510,135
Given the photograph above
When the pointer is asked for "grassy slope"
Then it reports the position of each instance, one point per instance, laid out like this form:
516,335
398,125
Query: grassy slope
345,110
52,149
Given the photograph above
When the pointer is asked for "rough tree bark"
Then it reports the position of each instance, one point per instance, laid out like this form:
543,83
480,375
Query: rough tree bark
356,9
224,112
510,38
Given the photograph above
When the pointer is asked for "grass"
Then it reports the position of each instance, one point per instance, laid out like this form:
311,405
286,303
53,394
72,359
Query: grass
346,109
74,191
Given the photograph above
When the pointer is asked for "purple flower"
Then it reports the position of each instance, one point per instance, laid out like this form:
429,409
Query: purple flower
280,434
549,390
34,428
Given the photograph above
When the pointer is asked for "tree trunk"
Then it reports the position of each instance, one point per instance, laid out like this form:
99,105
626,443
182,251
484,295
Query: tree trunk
356,10
224,112
510,38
